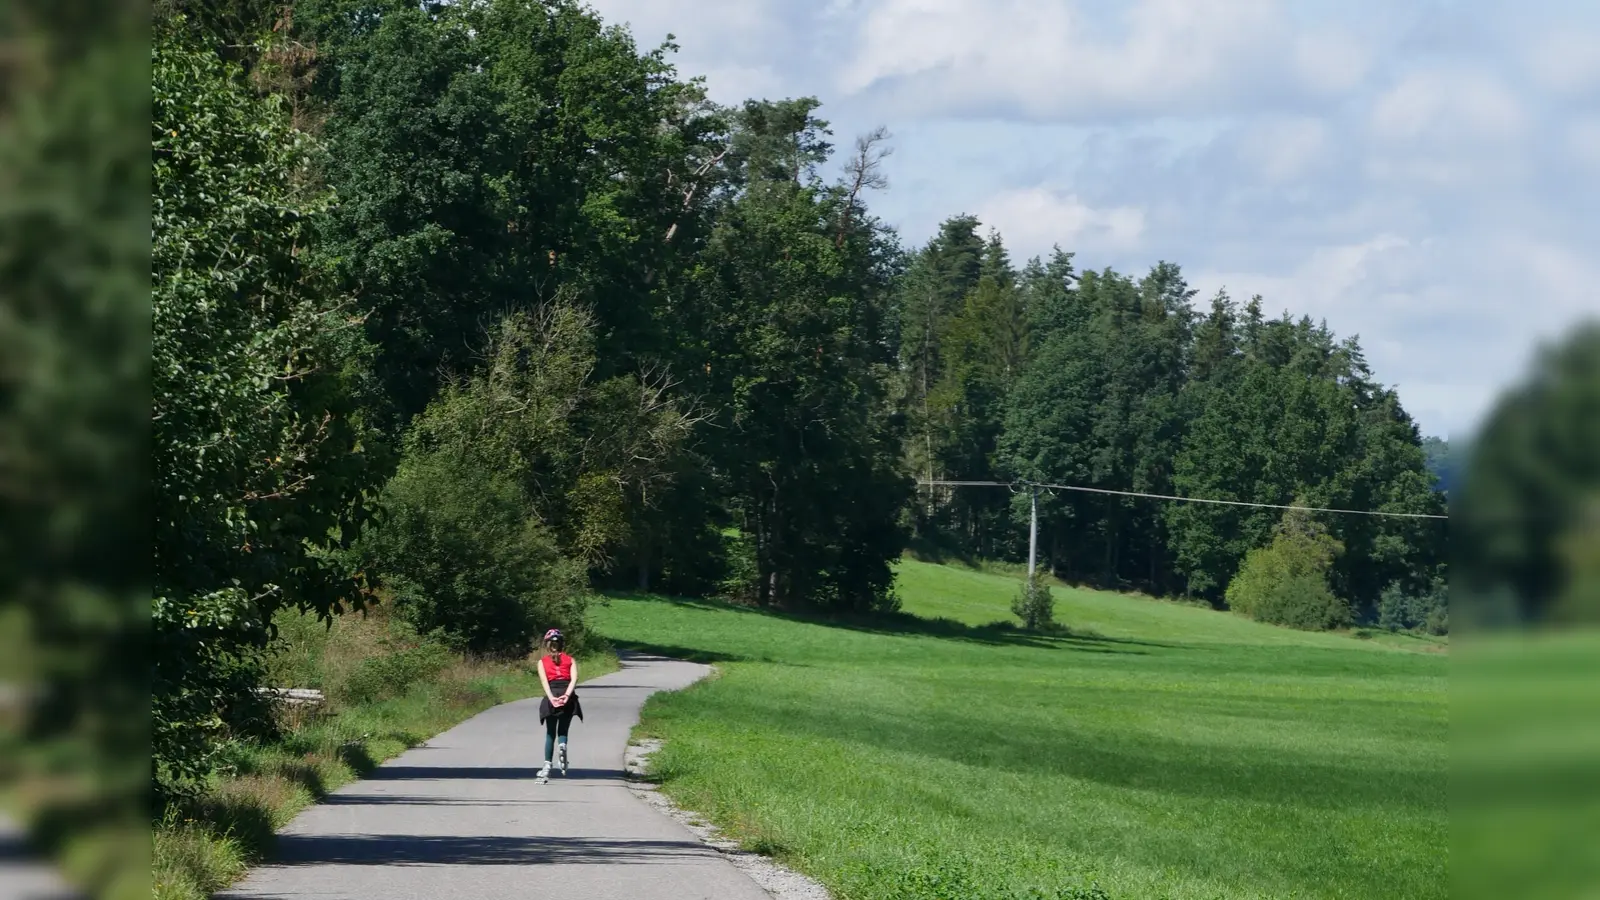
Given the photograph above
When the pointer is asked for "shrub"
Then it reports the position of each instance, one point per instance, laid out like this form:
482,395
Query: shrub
1035,605
392,674
1400,610
1394,609
464,556
1286,582
1438,620
741,574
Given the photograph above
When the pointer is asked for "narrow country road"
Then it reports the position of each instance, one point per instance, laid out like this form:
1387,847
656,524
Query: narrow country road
462,818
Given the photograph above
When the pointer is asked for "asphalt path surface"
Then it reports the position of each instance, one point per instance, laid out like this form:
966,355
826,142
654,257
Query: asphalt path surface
462,817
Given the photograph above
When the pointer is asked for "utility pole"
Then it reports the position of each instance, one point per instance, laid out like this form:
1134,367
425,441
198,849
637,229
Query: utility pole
1033,532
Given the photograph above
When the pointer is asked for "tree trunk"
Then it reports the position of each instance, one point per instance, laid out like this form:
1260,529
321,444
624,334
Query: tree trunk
763,557
775,586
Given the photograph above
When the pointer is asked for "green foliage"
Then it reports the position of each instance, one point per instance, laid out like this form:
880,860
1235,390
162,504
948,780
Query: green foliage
258,444
742,579
74,448
1286,582
1096,405
1034,604
491,156
1090,891
463,553
1580,552
1522,516
392,674
1288,411
945,879
1402,610
796,364
596,458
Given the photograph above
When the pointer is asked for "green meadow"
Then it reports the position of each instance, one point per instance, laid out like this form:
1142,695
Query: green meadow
1153,750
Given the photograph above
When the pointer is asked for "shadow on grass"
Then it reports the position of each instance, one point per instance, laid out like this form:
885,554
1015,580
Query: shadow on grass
358,758
995,634
305,774
243,818
644,651
938,549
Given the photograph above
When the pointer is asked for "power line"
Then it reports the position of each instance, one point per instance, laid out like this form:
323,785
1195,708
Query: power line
1089,490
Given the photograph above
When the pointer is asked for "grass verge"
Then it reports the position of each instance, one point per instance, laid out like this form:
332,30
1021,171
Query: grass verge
1155,751
207,844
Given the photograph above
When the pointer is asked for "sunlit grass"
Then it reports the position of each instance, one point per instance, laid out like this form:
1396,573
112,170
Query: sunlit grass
1159,750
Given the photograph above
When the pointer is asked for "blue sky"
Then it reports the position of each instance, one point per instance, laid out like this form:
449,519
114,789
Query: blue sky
1423,174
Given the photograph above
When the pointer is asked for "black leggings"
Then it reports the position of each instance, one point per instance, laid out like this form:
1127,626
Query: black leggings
553,726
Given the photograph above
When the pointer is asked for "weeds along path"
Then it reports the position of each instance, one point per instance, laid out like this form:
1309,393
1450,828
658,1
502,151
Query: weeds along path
461,817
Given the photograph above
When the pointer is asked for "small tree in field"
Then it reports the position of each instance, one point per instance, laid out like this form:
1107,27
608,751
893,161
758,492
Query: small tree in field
1034,605
1286,582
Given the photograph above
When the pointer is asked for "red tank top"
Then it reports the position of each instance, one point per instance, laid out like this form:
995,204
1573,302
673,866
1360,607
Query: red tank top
557,668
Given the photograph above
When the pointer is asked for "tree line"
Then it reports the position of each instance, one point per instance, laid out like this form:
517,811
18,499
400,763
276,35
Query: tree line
1112,382
472,307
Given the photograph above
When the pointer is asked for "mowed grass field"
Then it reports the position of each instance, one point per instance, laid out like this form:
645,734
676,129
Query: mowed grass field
1161,751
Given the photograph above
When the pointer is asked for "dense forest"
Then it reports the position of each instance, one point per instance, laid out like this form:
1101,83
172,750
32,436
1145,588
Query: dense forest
474,307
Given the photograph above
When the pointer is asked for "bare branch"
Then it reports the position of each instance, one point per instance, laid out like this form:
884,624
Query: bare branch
283,492
865,171
694,186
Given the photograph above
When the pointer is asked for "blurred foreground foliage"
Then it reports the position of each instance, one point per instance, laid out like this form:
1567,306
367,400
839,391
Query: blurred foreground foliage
74,426
1525,589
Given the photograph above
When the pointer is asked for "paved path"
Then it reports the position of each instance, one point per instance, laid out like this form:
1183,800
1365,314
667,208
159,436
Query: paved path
461,817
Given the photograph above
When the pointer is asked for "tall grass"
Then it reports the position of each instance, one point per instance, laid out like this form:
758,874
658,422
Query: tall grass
387,690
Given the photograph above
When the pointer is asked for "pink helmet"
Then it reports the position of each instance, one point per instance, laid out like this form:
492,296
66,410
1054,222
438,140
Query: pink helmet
553,634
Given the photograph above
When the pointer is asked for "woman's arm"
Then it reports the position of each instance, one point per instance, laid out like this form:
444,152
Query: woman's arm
545,681
573,684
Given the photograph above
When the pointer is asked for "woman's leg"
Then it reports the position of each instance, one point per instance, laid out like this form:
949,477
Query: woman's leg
550,738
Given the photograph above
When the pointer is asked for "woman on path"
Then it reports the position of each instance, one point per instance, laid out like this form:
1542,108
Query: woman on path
558,672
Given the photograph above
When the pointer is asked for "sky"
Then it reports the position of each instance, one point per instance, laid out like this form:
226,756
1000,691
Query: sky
1424,175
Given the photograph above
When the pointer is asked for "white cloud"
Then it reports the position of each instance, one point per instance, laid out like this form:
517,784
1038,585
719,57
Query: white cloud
1032,219
731,85
1448,322
1284,149
1566,60
1319,285
733,43
1051,59
1331,61
701,23
1449,127
1564,281
1448,104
